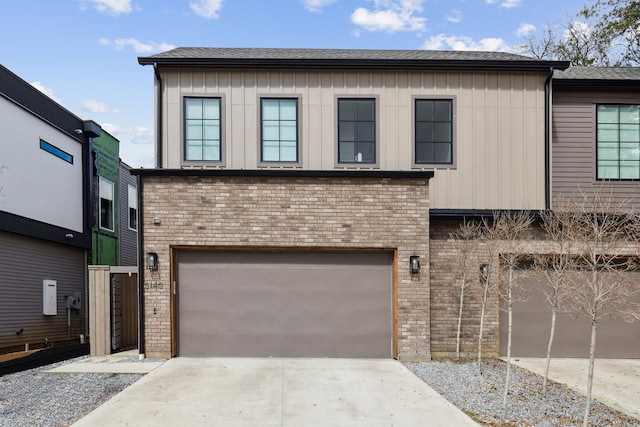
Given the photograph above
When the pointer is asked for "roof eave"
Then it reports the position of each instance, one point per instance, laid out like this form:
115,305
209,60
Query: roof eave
595,83
354,63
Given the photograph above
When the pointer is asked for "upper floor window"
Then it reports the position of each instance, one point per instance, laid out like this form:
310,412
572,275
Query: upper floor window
132,196
106,204
356,130
618,142
433,131
202,136
279,130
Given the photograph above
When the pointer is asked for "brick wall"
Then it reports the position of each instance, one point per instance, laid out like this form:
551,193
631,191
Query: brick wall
445,298
358,213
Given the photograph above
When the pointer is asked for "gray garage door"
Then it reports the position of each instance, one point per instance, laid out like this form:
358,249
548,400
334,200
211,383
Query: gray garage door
298,304
532,321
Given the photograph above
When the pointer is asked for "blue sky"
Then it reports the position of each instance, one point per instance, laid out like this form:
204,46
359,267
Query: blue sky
83,53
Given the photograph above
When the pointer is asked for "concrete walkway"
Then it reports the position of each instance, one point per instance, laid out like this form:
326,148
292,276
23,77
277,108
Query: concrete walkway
616,382
278,392
116,363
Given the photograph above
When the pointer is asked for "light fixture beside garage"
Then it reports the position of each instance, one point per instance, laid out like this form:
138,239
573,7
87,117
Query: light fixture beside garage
414,265
152,261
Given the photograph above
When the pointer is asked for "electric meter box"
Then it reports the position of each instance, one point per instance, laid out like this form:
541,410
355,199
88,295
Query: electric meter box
49,297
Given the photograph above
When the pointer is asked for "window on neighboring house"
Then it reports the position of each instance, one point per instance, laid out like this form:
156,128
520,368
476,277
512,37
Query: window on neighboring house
433,131
279,130
106,204
202,135
133,207
618,142
356,130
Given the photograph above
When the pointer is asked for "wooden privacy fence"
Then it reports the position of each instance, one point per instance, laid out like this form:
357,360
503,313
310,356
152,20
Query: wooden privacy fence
113,309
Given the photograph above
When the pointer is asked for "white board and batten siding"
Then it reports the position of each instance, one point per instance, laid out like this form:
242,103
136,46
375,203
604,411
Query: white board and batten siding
498,125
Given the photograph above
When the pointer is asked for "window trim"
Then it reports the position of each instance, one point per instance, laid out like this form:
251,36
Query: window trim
113,204
279,164
596,178
135,189
183,139
354,165
454,133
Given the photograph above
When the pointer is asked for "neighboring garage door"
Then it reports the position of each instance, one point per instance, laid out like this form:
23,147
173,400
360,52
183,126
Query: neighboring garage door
296,304
615,338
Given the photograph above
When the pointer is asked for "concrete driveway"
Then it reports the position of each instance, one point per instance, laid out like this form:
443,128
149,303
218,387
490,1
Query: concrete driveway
616,382
278,392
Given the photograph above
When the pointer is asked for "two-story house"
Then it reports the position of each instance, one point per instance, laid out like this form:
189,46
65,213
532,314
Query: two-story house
302,198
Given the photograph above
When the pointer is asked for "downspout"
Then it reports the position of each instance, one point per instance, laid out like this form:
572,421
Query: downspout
547,140
159,117
141,261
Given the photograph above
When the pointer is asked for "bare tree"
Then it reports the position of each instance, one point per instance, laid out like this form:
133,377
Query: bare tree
555,266
508,231
487,284
466,235
598,288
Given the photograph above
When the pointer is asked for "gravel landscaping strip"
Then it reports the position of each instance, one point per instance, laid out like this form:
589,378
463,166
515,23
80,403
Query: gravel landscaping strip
480,396
35,398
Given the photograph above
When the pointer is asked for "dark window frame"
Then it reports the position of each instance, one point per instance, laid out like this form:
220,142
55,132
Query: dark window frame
433,162
371,132
132,211
261,132
616,127
220,136
108,207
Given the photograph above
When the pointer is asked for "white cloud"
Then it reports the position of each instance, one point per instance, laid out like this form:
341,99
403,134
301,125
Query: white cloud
136,144
112,7
444,42
510,3
94,106
490,1
138,46
42,88
391,16
206,8
454,16
316,5
525,29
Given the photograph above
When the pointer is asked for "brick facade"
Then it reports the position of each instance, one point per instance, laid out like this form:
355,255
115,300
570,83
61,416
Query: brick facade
445,300
288,212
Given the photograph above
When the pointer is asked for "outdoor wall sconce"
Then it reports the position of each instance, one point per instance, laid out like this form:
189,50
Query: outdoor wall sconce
414,265
152,261
484,272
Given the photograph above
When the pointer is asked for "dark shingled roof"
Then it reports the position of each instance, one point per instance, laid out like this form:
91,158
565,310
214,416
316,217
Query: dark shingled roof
598,73
344,58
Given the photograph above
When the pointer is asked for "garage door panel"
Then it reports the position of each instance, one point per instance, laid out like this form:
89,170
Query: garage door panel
532,323
334,304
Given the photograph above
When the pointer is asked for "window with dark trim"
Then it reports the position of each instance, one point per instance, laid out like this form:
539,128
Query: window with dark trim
433,131
132,198
52,149
202,136
279,130
106,194
356,130
618,142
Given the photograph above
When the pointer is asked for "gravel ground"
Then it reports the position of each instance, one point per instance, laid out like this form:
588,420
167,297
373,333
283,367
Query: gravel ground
35,398
480,396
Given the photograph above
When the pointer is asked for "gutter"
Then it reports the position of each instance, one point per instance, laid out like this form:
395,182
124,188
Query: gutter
141,261
159,117
547,140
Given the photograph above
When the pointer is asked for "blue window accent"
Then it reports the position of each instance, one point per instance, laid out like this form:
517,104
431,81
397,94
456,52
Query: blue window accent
56,151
